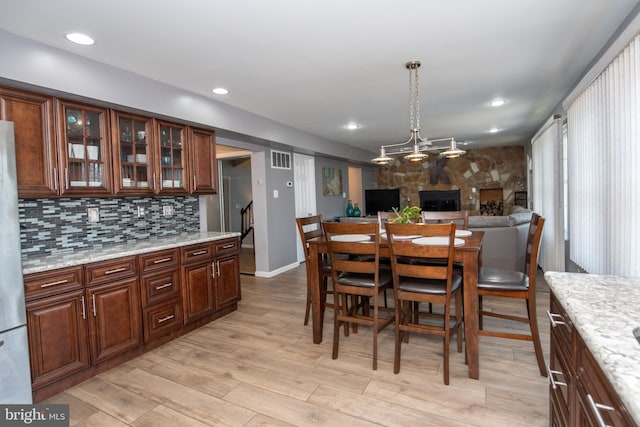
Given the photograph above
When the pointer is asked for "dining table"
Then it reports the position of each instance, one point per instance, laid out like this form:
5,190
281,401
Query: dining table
469,254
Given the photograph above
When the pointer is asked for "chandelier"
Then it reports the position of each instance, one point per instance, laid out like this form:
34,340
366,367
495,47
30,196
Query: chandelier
416,147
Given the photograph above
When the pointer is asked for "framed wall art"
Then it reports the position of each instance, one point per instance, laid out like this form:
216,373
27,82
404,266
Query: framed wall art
331,182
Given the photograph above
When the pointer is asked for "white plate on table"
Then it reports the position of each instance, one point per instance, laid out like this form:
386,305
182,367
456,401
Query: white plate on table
463,233
437,241
351,238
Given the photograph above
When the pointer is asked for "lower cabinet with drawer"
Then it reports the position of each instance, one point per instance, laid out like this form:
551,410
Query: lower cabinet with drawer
57,325
197,281
579,393
161,293
85,319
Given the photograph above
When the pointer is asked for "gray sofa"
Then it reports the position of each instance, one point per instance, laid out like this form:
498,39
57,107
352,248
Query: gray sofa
505,238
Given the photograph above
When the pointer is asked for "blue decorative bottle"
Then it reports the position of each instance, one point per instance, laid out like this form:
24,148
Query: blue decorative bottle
349,209
356,210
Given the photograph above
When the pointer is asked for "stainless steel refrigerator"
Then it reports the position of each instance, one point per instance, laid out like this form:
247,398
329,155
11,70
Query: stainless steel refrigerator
15,378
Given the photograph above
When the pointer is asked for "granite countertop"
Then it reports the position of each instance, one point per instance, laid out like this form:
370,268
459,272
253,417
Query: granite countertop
36,264
605,310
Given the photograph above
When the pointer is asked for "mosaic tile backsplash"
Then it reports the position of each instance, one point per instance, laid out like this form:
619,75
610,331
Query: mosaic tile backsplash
52,226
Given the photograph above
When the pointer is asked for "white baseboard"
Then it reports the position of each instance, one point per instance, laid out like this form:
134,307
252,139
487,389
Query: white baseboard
270,274
246,245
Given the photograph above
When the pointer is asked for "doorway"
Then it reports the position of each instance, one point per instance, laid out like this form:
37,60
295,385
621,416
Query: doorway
304,176
234,212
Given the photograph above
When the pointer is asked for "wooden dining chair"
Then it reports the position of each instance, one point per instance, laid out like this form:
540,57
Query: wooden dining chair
308,228
354,253
427,281
496,282
461,218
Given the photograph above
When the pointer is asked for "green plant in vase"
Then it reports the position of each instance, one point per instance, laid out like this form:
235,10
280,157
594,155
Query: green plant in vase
406,215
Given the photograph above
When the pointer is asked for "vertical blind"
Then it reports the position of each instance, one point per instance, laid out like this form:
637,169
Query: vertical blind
546,153
604,169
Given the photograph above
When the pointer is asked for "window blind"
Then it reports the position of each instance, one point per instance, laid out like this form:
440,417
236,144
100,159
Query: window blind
546,153
604,169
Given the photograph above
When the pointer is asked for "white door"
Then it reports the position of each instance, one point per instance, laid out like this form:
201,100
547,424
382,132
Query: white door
304,176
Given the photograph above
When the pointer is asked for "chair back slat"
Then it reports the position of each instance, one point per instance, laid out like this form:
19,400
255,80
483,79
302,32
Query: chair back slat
534,237
434,261
460,218
309,228
353,257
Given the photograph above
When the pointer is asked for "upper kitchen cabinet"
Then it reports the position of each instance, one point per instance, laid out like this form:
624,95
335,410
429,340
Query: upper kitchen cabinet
172,157
202,147
36,158
133,154
84,149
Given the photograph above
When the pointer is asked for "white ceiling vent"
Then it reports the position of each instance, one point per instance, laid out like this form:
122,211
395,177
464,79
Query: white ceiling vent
280,160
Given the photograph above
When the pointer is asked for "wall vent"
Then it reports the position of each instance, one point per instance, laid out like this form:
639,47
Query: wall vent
280,160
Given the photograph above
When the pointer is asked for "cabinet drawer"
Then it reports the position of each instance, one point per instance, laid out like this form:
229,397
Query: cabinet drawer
594,383
227,246
38,285
563,331
160,286
106,271
200,252
159,260
162,319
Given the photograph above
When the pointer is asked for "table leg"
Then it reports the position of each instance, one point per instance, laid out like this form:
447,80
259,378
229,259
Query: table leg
471,312
314,281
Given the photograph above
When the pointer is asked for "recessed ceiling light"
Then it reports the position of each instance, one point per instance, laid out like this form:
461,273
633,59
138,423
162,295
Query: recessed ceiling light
494,130
352,126
498,102
220,91
79,38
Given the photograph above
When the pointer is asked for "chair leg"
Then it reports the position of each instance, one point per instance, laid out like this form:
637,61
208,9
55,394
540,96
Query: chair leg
533,324
308,309
458,302
479,312
375,337
398,338
339,298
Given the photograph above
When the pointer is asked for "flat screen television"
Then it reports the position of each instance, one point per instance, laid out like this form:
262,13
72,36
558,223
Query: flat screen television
381,200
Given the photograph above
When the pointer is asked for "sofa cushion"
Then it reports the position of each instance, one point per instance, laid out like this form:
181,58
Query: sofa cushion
488,221
518,209
519,218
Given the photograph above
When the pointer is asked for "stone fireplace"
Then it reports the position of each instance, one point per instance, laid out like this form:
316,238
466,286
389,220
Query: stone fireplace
440,200
481,168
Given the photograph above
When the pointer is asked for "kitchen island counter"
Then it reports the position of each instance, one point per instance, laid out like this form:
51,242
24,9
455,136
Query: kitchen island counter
604,310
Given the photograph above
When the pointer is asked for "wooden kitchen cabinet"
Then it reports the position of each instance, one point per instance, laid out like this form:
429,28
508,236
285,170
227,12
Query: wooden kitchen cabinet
115,318
227,272
56,324
202,152
579,393
36,155
85,319
172,155
161,293
198,298
58,344
84,149
79,149
134,163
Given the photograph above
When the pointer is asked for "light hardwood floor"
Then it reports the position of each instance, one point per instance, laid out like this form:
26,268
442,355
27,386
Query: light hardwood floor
259,366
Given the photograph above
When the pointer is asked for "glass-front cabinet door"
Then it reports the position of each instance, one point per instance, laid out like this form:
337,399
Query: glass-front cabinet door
132,151
84,148
172,157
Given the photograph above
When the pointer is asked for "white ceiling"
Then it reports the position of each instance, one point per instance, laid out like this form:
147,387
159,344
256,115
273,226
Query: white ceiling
317,65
